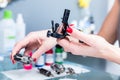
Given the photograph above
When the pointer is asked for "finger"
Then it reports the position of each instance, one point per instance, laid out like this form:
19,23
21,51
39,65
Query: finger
27,52
72,39
88,39
74,48
45,46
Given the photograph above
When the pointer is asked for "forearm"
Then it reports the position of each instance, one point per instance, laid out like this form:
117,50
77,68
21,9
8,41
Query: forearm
111,53
111,23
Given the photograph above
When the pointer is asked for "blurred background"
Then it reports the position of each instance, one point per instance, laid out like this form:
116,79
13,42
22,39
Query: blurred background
37,15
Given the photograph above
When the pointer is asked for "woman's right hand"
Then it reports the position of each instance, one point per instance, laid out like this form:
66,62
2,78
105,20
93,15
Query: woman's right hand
34,41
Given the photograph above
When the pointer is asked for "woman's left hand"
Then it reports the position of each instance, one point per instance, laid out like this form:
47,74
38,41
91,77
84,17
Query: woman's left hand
93,45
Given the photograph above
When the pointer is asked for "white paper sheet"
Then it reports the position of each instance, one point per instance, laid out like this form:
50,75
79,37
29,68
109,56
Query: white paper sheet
34,74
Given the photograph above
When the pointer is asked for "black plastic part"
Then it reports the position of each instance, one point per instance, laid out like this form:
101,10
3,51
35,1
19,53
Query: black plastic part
20,55
17,57
66,16
65,21
56,26
52,22
58,46
45,72
49,33
57,72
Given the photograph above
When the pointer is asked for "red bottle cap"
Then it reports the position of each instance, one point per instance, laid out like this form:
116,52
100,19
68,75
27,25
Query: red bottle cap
50,51
27,66
48,64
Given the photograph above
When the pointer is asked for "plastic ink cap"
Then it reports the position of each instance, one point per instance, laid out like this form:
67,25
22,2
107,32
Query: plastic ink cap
27,66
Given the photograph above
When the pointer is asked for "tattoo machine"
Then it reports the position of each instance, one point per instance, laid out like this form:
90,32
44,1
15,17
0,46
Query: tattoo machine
55,26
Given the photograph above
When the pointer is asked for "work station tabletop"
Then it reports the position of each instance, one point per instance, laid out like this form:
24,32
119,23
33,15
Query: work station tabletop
87,74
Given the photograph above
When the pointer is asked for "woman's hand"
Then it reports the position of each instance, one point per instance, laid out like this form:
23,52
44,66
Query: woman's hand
34,41
92,45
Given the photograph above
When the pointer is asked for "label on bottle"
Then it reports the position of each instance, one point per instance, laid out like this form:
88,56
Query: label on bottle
64,55
9,39
41,61
59,57
49,58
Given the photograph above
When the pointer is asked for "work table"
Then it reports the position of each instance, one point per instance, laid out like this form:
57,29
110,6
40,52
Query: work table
90,74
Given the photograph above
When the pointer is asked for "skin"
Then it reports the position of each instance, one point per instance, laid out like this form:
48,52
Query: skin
109,28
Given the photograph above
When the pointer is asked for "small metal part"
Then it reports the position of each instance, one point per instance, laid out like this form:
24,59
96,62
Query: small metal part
70,70
23,59
45,72
58,68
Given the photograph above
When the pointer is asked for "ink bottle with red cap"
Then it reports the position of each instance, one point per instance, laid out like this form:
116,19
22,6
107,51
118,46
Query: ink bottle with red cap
49,57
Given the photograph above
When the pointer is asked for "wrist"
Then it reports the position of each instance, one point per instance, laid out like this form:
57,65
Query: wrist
111,53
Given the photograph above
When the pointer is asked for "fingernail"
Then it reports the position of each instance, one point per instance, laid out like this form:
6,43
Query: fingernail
34,59
11,59
13,62
69,30
30,54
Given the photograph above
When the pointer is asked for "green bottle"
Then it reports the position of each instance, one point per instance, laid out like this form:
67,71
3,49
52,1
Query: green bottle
58,54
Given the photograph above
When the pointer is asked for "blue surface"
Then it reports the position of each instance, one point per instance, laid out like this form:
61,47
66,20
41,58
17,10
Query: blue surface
6,63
